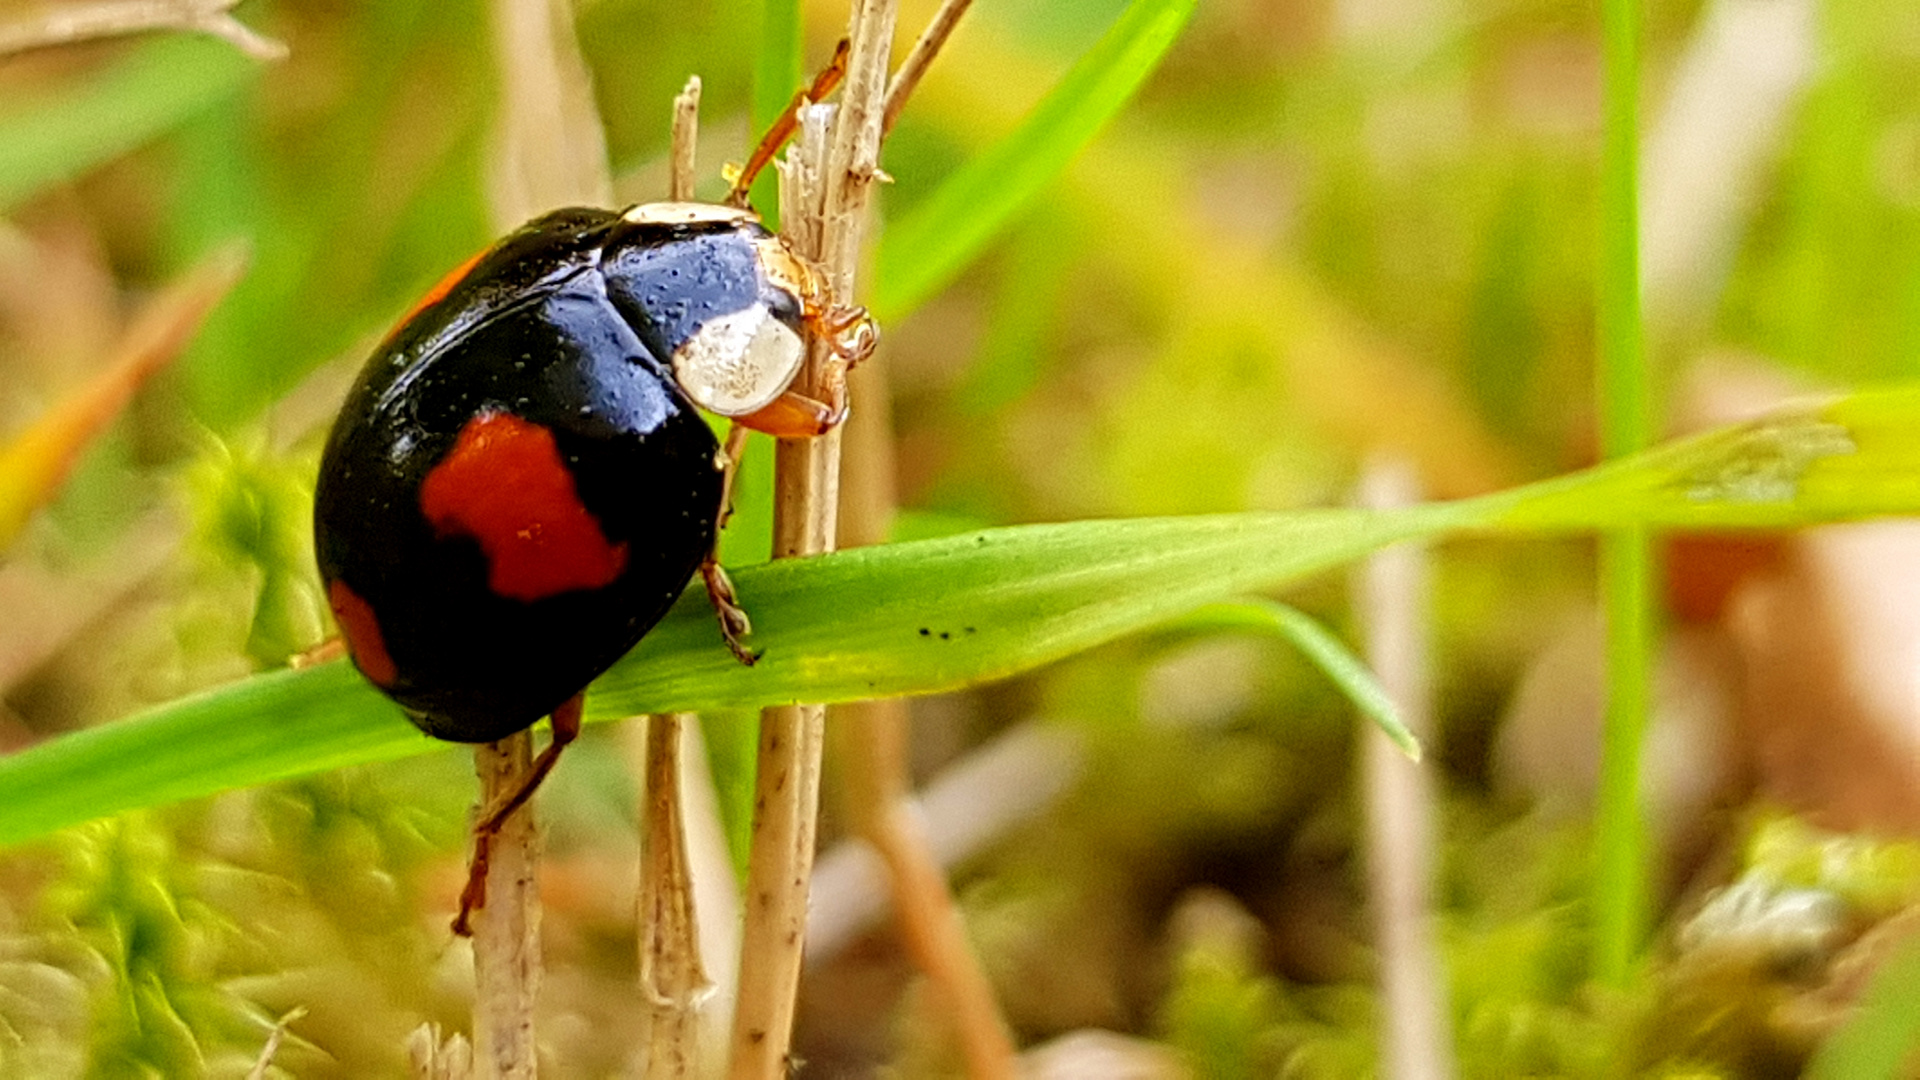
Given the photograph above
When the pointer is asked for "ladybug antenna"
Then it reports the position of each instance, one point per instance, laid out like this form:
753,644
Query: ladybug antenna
782,127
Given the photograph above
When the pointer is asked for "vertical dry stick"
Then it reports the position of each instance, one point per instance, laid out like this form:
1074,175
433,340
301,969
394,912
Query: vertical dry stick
1393,604
550,153
506,930
871,738
920,58
824,219
686,142
672,976
671,973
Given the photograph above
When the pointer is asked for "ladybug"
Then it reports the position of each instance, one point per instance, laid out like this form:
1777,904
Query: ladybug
520,483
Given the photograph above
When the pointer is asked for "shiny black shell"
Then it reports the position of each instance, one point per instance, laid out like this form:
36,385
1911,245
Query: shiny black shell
569,325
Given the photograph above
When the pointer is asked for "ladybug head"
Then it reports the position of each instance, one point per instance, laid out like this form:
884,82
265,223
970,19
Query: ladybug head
730,300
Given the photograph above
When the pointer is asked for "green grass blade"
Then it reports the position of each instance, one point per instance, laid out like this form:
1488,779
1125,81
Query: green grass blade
924,248
777,74
1626,557
1319,645
939,614
156,86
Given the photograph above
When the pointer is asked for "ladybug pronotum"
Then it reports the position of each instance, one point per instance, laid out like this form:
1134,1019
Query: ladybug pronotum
519,484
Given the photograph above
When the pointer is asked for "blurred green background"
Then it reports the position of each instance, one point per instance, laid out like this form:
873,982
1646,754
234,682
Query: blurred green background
1326,230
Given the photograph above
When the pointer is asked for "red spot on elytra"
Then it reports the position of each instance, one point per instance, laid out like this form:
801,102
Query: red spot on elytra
362,630
505,485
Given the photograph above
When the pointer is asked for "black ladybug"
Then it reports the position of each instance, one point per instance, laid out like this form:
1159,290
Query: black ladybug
519,485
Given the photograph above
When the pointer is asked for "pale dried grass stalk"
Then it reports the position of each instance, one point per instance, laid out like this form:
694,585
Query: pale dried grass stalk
1417,1044
550,153
920,58
119,18
272,1047
673,977
824,198
506,929
682,174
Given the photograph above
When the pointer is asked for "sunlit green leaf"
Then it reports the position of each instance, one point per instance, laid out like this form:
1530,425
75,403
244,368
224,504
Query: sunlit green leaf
933,615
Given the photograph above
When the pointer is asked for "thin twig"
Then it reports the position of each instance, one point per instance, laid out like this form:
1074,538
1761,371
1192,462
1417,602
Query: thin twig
672,974
686,140
824,209
919,58
506,929
965,809
551,153
871,743
119,18
1399,801
272,1047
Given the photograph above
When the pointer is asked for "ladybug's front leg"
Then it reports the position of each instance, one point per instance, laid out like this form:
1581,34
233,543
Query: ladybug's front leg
850,336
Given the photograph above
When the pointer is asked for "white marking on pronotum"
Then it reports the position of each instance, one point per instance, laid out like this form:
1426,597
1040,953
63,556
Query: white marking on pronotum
739,363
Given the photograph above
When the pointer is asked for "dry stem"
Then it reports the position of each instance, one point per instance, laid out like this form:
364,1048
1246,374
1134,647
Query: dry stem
871,741
672,975
272,1047
550,153
506,929
118,18
824,208
1399,800
920,57
686,141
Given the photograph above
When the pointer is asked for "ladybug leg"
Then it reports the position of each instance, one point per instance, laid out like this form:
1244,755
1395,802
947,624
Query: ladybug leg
794,415
728,462
851,337
734,624
789,119
850,333
566,726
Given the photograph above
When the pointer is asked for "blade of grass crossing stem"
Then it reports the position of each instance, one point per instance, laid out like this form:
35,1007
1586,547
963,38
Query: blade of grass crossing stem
1318,644
934,615
924,248
103,114
1626,557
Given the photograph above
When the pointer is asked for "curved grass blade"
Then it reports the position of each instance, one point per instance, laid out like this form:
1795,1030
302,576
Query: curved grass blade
938,614
1319,645
923,249
48,140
